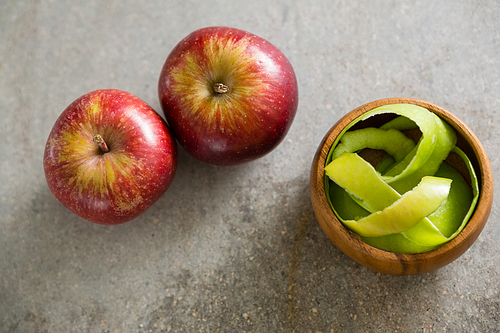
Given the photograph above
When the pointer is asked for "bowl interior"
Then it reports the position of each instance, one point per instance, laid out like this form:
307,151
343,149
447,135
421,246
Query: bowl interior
394,263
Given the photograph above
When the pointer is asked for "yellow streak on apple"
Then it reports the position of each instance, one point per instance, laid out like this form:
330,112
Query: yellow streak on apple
228,64
97,173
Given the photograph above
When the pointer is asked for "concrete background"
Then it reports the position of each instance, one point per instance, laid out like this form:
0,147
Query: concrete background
234,249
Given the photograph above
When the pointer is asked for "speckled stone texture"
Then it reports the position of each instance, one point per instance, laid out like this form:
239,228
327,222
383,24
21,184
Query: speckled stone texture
234,249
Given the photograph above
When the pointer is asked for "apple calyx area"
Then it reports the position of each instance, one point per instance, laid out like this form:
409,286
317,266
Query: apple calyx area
220,88
103,147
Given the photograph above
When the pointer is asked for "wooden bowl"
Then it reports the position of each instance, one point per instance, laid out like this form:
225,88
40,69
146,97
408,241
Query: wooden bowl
394,263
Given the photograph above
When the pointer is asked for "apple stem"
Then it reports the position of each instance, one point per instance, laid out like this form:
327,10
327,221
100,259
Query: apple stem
101,143
220,88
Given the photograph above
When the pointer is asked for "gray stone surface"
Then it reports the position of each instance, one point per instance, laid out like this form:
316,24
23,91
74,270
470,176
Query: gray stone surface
234,249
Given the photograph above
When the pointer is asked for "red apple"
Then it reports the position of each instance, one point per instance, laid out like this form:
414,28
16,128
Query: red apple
109,157
229,96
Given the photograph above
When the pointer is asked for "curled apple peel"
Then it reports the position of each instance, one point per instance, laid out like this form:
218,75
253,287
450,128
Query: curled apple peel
391,212
410,201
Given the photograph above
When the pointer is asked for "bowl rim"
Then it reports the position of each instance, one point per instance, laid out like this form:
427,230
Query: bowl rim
396,263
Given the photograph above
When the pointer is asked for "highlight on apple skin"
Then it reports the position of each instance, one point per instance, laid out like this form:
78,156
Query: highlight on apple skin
229,96
109,157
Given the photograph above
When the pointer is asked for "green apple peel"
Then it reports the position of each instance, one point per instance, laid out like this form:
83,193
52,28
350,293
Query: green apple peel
410,201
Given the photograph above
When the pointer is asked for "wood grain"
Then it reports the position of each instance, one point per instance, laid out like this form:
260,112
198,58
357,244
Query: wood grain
388,262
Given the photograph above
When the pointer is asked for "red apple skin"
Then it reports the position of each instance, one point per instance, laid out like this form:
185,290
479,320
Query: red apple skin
242,124
119,185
